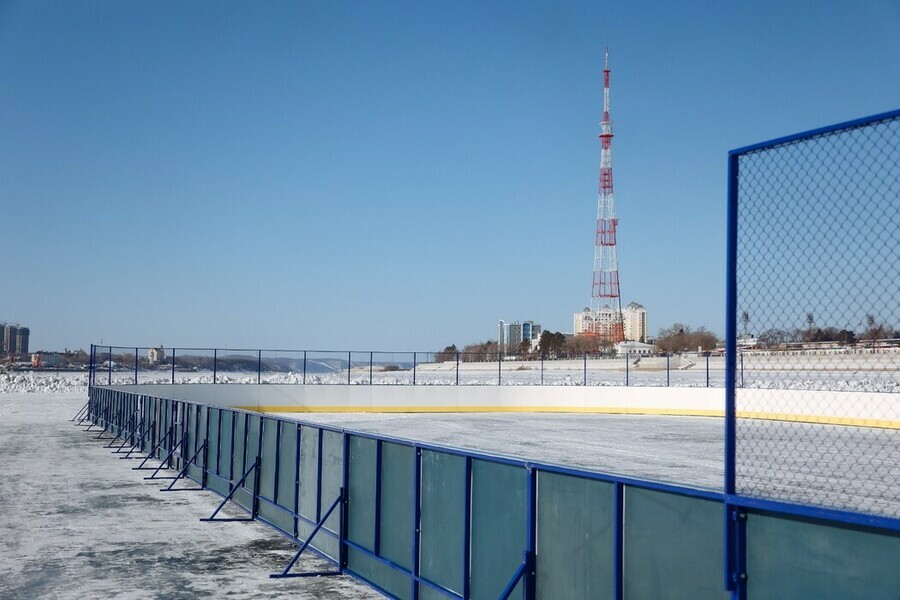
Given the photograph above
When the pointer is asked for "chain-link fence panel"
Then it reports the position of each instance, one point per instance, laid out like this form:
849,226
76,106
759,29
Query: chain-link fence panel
817,376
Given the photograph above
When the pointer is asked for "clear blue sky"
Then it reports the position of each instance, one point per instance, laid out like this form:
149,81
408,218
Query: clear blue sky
390,175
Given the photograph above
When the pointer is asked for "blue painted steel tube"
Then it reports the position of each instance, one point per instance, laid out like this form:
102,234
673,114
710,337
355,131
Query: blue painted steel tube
626,369
529,576
297,479
457,368
173,365
304,367
135,366
215,363
707,369
467,528
417,514
109,366
730,362
349,362
414,368
619,543
667,369
378,463
584,376
499,367
259,373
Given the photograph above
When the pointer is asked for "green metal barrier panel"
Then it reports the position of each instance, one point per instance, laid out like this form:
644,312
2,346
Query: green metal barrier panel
443,519
240,433
791,559
213,453
332,475
361,493
332,479
575,537
498,527
194,443
251,447
287,466
268,458
309,474
673,546
396,509
397,497
225,442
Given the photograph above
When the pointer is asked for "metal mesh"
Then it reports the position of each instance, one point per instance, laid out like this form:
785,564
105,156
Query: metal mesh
818,311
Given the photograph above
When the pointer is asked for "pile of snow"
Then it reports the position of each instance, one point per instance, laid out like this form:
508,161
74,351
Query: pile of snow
42,382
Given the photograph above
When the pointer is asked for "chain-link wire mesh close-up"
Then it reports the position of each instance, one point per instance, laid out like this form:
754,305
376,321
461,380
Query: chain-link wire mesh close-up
817,382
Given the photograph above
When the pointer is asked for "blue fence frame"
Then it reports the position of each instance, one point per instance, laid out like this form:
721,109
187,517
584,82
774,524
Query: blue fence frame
736,506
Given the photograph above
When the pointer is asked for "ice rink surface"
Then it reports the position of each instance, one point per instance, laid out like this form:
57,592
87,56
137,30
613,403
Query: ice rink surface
75,522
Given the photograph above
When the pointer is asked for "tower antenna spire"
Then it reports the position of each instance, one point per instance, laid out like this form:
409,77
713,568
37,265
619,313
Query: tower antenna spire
605,319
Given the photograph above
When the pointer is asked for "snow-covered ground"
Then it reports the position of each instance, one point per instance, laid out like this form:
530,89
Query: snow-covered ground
75,522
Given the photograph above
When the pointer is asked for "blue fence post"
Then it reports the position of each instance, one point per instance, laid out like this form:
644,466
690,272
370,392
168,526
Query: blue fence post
135,366
414,368
619,542
584,375
542,368
467,528
457,368
109,366
742,369
215,363
499,367
530,534
349,361
304,367
173,365
259,368
626,369
707,368
667,369
731,562
417,517
91,368
371,359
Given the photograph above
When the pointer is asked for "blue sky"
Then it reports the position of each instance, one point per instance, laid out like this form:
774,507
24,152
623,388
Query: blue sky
390,175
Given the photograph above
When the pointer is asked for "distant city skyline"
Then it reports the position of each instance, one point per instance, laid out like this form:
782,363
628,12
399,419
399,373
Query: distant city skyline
326,175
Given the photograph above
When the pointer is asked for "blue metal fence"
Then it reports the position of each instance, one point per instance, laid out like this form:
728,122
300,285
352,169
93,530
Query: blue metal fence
131,365
417,520
812,233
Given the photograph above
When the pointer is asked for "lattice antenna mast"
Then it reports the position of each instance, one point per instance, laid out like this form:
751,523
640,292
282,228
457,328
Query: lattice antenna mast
605,288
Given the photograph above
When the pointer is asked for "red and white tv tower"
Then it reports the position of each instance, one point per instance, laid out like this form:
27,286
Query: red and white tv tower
605,319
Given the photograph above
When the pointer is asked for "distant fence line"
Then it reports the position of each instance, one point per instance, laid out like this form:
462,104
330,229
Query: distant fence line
125,364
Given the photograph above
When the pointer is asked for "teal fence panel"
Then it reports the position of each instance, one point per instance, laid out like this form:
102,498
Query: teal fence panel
213,428
268,456
443,517
240,441
498,527
398,464
195,442
673,546
575,537
309,473
332,481
226,423
269,510
800,558
287,465
361,492
363,515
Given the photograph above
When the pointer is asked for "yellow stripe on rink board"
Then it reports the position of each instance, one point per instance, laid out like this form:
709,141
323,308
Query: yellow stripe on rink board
610,410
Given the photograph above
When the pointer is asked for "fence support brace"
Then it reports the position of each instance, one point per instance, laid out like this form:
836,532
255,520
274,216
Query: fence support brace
306,543
183,471
235,488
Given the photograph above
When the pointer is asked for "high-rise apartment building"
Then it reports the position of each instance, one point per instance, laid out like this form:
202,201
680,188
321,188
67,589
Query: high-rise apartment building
511,335
635,317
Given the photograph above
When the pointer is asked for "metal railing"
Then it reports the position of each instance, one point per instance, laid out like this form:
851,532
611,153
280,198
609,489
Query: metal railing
132,365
